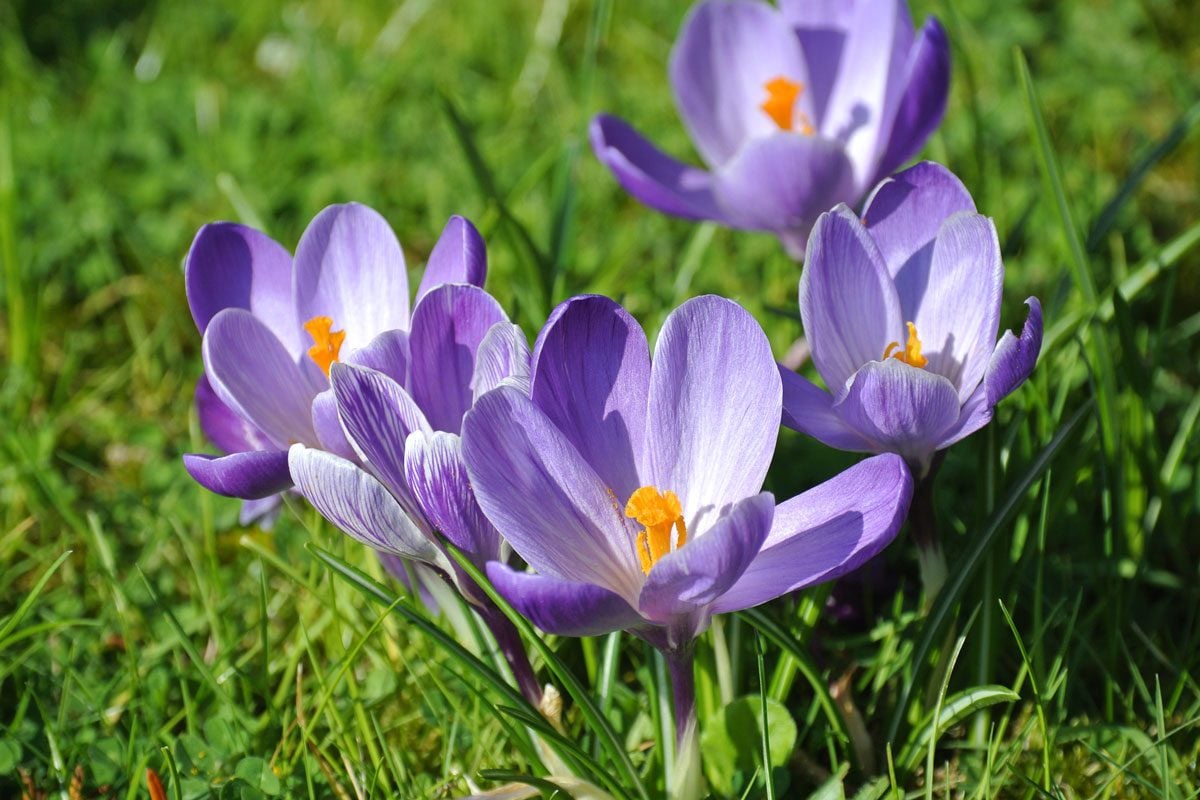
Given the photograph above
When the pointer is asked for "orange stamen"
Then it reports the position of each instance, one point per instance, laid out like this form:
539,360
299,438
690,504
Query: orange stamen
327,343
659,513
911,354
780,105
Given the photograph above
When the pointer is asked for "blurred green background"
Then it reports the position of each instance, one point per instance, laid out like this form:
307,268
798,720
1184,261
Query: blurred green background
125,126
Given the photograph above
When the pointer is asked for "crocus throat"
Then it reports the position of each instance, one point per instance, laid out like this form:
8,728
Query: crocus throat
327,343
659,512
911,354
780,105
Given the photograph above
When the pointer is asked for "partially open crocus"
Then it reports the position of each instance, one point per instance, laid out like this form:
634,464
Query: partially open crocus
901,309
793,110
273,326
633,487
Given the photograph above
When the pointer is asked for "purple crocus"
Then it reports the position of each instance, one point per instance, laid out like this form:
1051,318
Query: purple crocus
793,110
901,309
273,325
634,487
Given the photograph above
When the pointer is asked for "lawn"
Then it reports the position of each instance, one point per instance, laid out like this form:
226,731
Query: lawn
141,627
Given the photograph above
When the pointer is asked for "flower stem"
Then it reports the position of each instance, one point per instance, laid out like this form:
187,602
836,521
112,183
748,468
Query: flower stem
683,688
923,524
509,641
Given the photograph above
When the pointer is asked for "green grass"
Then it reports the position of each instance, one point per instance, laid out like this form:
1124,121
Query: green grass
141,627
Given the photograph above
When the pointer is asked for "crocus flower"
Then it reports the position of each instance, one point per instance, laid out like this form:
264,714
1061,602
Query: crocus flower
634,487
901,309
793,110
273,325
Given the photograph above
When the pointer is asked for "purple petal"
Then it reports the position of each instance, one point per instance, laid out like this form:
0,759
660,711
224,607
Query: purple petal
974,414
377,416
386,353
459,256
826,532
591,376
255,376
329,428
234,266
447,328
920,110
350,498
1014,357
437,476
904,215
698,573
503,357
349,267
543,497
222,426
847,301
650,175
714,408
560,606
782,183
959,313
809,409
900,408
250,476
720,65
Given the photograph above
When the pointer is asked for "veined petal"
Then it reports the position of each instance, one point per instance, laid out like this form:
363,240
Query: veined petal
251,475
698,573
543,497
329,427
1014,357
503,356
714,408
847,301
254,375
386,353
653,177
920,110
563,607
826,532
809,409
460,256
349,267
974,414
234,266
725,55
447,327
222,425
358,504
437,476
591,377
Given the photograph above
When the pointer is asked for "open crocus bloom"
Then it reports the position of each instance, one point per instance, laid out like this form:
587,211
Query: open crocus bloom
793,109
634,489
273,326
901,310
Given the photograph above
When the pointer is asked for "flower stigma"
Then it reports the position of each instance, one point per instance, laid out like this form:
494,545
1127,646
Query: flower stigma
780,105
911,354
659,512
327,343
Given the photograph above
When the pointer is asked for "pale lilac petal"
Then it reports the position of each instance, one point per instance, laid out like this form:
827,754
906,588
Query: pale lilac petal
407,571
329,427
543,497
250,475
437,476
377,416
349,267
563,607
974,414
1014,357
698,573
904,215
353,500
261,512
447,327
222,426
809,409
460,256
900,408
826,532
782,183
726,53
591,376
254,375
959,314
822,27
847,301
503,357
650,175
714,408
234,266
920,110
386,353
